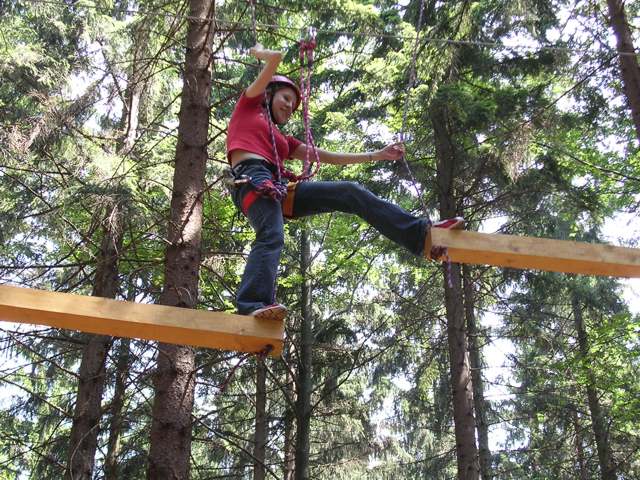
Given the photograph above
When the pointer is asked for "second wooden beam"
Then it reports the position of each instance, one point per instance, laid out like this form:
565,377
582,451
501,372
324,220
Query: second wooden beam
535,253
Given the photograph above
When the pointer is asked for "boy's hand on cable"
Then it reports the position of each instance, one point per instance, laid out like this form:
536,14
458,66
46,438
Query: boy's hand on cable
262,53
392,152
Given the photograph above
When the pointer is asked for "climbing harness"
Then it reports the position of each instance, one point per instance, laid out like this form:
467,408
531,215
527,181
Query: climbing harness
263,186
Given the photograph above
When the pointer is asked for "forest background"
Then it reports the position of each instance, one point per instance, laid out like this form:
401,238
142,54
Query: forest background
524,115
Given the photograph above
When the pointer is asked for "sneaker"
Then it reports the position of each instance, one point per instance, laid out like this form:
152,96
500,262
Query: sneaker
275,312
454,223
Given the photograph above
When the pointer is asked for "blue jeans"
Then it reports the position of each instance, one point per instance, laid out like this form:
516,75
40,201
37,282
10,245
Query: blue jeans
258,285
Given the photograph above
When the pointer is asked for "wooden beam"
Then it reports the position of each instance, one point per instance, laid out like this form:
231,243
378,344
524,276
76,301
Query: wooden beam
535,253
104,316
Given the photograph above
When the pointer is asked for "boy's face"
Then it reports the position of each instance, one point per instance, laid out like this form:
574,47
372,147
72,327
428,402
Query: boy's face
283,103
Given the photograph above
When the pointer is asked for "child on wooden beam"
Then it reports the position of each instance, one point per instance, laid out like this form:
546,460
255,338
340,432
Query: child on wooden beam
266,192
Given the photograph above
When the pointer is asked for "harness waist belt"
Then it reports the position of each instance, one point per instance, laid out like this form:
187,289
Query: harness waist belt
255,161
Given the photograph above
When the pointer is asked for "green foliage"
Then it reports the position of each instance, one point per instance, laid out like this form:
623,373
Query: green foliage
527,127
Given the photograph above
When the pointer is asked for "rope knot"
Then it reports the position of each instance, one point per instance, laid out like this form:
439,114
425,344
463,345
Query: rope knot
275,190
307,45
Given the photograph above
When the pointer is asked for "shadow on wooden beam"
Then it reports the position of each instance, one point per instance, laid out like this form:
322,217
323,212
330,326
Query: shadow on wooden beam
103,316
535,253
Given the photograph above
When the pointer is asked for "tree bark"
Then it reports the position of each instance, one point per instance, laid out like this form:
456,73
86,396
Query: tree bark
117,407
86,418
174,380
479,402
629,69
135,88
598,421
303,400
289,430
461,382
260,435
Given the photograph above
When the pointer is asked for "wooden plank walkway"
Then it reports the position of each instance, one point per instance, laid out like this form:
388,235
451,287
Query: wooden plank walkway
117,318
535,253
246,334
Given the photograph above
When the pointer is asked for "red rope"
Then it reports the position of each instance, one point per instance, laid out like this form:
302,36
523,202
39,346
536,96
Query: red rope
281,170
442,254
306,66
262,354
306,53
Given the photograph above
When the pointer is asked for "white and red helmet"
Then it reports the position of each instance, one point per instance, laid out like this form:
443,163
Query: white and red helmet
281,80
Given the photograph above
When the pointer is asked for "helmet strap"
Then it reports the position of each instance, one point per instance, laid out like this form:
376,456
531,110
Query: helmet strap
268,102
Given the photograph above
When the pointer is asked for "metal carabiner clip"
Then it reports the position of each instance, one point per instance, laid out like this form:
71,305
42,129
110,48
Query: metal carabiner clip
231,180
308,38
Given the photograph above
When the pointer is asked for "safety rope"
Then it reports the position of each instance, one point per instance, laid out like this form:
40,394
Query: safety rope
275,190
261,355
437,252
310,168
307,46
234,25
281,171
410,87
254,23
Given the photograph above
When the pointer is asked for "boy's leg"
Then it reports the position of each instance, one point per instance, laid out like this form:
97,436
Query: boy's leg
390,220
258,285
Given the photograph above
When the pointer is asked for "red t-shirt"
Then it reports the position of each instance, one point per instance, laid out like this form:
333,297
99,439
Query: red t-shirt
249,130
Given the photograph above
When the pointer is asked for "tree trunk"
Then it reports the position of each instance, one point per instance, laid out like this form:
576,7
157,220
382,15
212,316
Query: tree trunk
260,436
598,421
289,431
174,380
303,400
86,418
461,383
629,69
580,456
84,431
480,405
117,407
135,88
